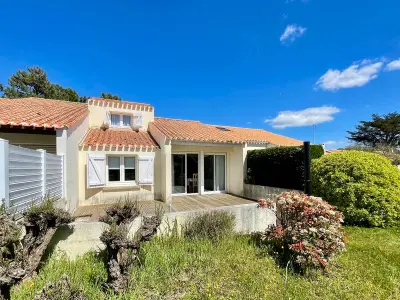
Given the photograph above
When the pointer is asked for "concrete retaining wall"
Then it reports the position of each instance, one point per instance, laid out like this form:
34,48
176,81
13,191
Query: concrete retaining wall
248,218
81,237
256,192
78,238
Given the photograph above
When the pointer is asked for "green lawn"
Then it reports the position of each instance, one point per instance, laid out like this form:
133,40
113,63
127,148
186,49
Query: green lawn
235,269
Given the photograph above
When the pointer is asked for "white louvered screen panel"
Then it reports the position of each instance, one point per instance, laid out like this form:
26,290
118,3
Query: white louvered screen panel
25,177
54,175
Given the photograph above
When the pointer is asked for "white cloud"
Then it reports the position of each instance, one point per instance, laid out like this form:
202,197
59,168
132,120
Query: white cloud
358,74
393,65
306,117
330,143
291,33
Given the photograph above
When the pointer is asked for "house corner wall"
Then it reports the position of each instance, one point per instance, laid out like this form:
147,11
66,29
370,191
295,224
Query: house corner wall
68,145
236,170
162,165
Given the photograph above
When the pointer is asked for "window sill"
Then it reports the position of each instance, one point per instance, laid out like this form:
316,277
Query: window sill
112,187
119,126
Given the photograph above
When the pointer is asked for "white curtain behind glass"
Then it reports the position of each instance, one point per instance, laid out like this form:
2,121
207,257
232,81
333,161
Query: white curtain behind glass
220,172
115,120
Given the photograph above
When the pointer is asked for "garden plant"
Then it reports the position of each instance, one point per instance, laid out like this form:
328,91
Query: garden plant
308,231
20,255
364,186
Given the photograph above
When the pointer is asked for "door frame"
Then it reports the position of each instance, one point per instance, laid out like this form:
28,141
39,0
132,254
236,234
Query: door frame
198,172
226,164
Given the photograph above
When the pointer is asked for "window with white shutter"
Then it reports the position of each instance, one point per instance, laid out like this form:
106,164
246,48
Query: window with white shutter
146,170
96,170
120,120
121,169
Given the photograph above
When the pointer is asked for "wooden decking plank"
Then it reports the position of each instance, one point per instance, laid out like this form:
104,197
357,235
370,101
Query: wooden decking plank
178,204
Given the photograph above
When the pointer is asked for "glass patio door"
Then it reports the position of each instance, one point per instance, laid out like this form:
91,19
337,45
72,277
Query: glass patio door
185,173
178,173
214,173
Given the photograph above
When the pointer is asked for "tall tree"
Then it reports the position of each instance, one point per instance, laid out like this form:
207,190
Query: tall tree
34,83
382,130
110,96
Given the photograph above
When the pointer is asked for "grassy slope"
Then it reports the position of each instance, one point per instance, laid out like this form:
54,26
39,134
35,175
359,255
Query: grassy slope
175,268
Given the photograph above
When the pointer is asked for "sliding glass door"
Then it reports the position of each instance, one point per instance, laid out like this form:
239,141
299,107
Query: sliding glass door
185,173
214,172
178,173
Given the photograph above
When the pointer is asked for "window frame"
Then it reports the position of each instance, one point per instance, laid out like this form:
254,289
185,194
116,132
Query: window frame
121,120
122,180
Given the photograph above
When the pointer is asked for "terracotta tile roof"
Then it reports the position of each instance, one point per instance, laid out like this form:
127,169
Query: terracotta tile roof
185,130
39,112
120,104
118,138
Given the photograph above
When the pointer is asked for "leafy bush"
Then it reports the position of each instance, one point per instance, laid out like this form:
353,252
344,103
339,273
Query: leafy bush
308,234
364,186
391,153
19,259
45,214
210,225
279,166
124,211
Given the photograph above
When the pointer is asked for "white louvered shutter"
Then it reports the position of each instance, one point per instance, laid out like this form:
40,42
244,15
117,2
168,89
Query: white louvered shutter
107,118
146,170
137,120
96,170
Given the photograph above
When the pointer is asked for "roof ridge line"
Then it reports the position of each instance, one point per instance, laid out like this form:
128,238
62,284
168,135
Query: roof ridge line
120,101
178,119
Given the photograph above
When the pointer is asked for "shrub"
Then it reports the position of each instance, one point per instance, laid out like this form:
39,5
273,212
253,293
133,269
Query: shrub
364,186
45,214
391,153
308,234
19,259
279,166
124,211
210,225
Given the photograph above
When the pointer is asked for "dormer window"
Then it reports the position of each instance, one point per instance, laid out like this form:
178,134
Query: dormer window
126,120
118,120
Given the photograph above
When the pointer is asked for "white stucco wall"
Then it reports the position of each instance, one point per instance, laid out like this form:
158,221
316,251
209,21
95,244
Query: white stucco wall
67,145
164,164
97,114
235,161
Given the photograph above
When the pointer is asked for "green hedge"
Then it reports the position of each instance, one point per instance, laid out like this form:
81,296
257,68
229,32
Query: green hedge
365,186
279,166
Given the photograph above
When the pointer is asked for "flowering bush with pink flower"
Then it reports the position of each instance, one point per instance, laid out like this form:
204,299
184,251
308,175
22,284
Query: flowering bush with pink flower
308,231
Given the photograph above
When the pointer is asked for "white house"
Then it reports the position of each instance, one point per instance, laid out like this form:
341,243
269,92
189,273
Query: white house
115,147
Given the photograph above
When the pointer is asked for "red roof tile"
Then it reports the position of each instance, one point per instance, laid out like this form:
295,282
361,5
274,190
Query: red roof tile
120,104
39,112
118,138
185,130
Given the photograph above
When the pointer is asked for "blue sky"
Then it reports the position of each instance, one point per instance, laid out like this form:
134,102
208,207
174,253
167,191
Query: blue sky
280,65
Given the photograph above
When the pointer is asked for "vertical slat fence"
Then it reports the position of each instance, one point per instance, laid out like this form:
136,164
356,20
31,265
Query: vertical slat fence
27,175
